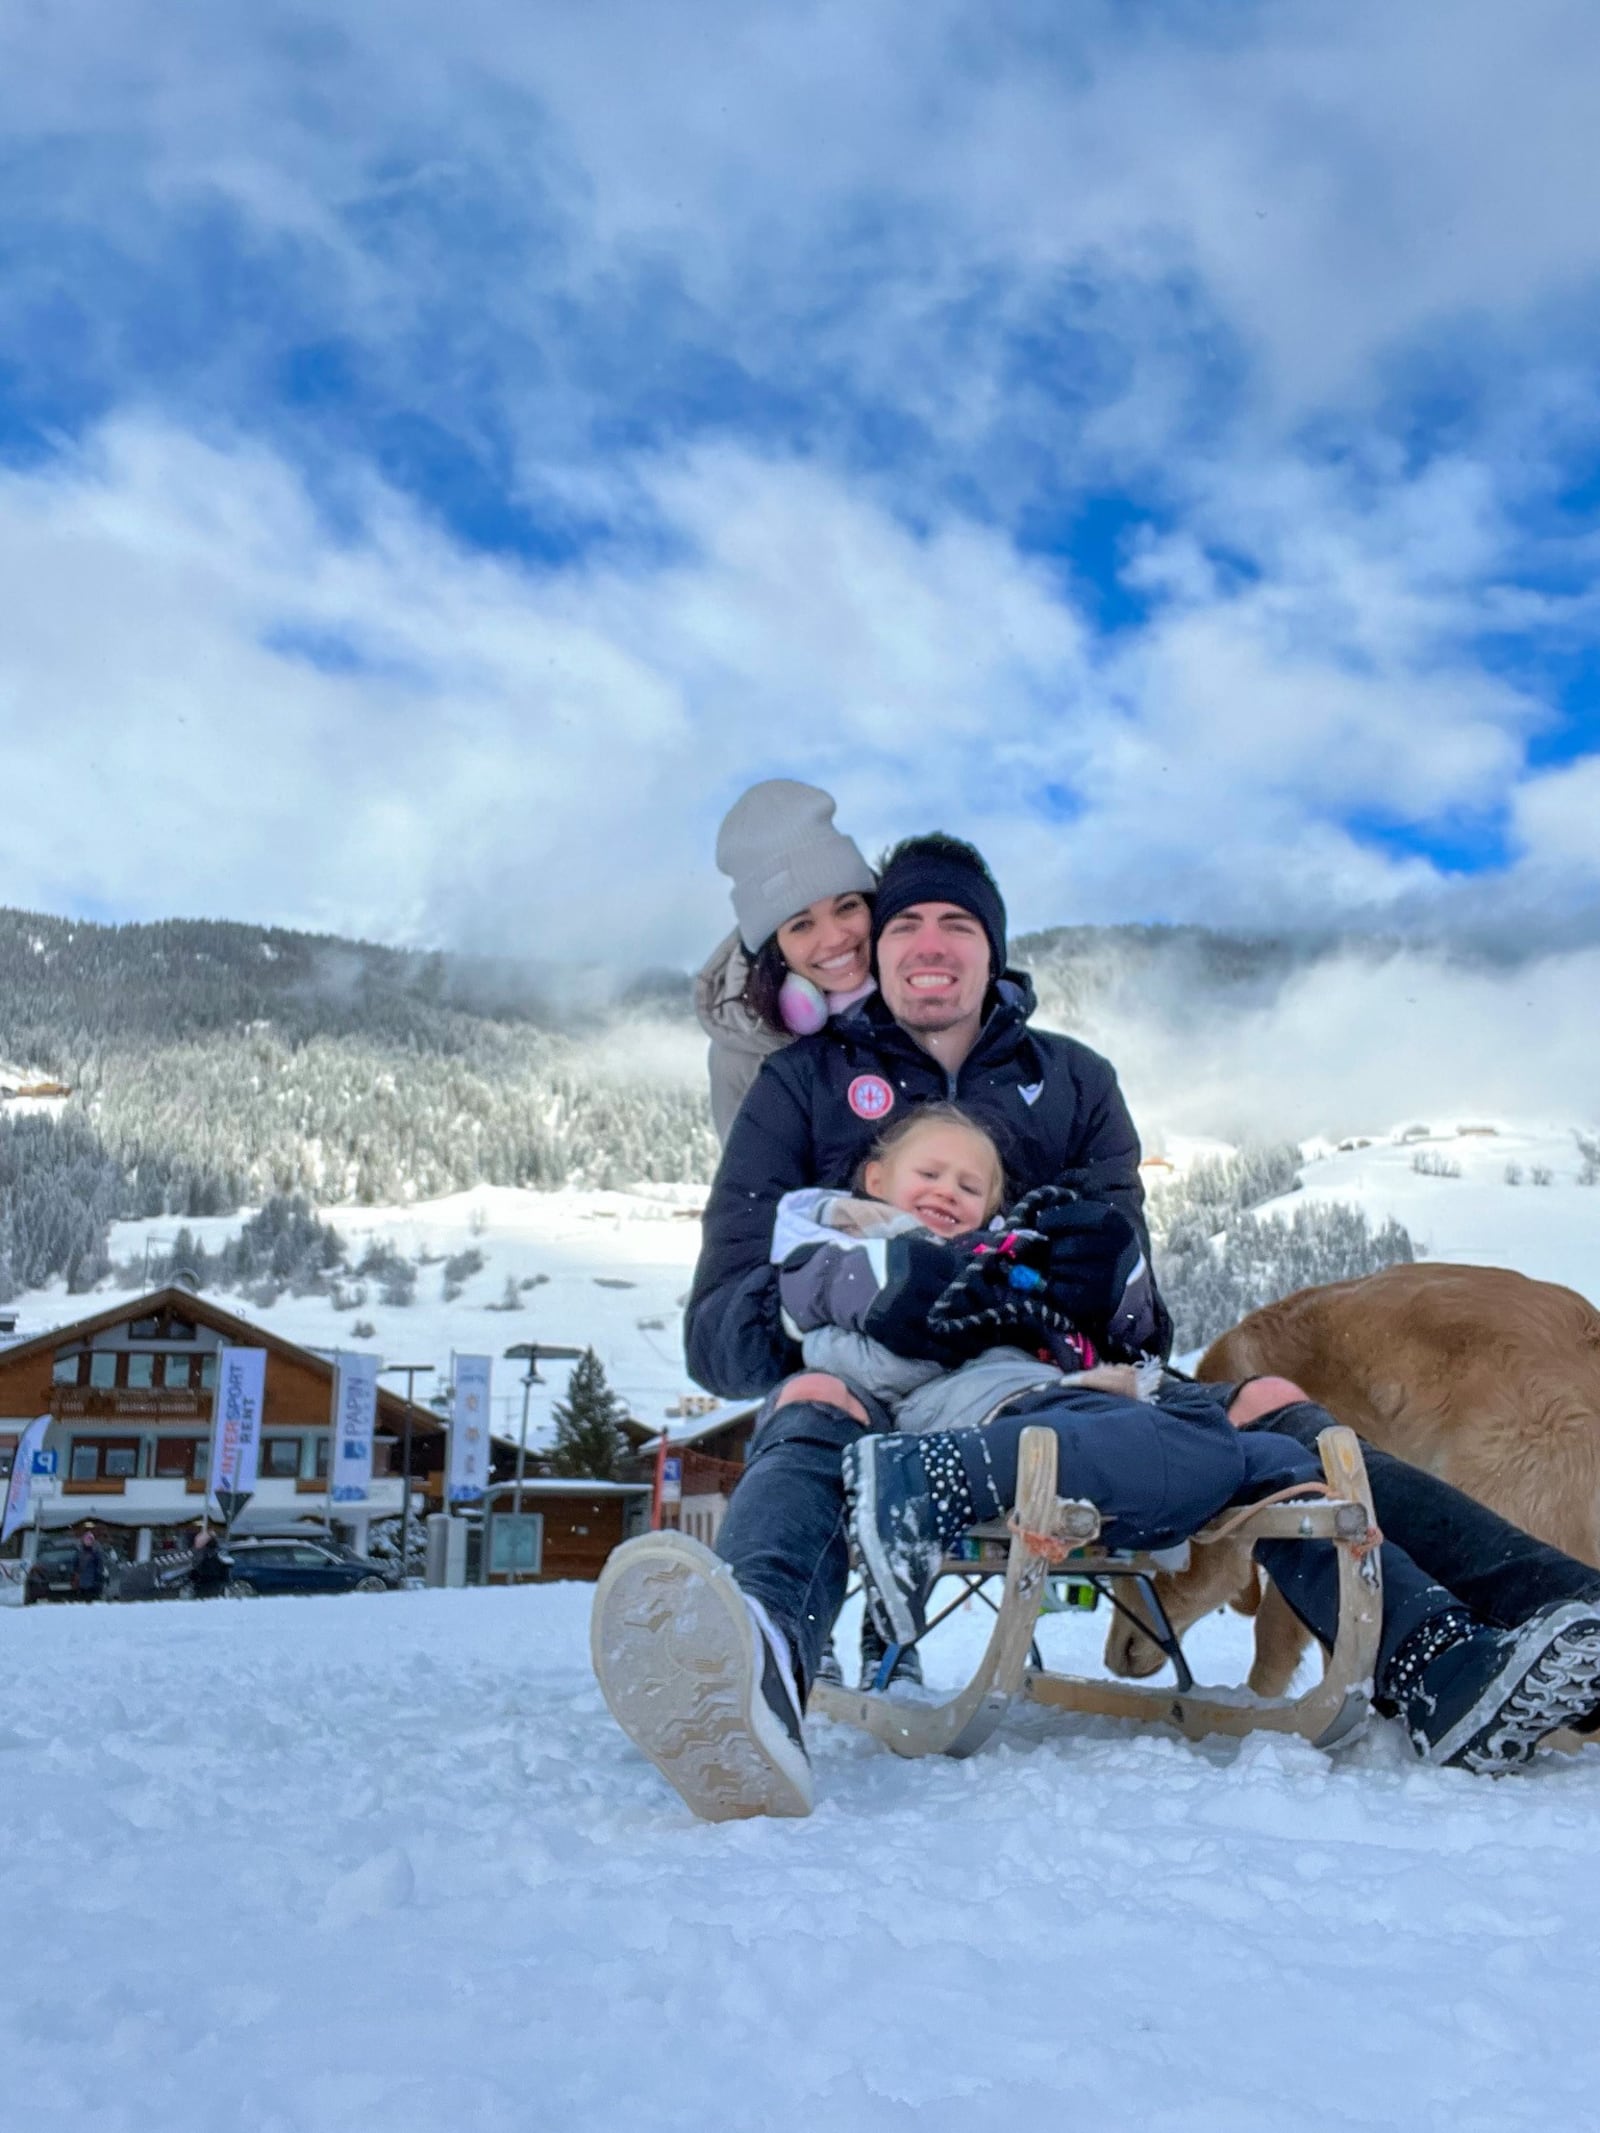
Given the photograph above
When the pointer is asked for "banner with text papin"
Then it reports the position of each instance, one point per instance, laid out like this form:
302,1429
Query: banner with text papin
469,1429
19,1494
236,1420
355,1409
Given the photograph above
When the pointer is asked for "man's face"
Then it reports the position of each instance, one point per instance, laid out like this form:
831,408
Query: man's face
933,967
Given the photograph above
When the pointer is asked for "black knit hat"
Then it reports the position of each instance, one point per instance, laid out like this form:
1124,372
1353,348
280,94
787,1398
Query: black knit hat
941,870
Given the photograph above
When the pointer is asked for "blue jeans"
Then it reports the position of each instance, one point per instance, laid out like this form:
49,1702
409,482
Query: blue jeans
1503,1574
784,1534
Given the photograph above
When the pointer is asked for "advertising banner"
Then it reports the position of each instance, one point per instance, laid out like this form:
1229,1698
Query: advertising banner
355,1409
19,1491
469,1428
236,1420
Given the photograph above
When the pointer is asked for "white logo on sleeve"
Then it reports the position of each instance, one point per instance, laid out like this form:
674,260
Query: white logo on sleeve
1030,1091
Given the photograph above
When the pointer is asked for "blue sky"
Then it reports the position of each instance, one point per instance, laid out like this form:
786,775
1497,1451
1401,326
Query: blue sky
446,454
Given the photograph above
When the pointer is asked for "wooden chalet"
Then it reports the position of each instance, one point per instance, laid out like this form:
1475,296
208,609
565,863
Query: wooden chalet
129,1394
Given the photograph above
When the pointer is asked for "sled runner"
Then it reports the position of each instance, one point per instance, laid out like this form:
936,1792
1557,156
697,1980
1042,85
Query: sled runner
1050,1540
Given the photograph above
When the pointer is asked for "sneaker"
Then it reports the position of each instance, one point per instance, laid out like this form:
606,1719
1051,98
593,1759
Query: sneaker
907,1668
1486,1698
828,1667
894,1528
697,1677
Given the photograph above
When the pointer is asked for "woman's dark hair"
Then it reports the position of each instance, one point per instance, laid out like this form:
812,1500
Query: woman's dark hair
900,1130
762,984
765,976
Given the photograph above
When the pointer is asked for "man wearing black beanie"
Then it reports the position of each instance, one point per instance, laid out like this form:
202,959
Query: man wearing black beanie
939,943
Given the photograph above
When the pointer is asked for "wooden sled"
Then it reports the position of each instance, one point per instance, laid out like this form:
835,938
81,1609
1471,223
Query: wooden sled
1325,1714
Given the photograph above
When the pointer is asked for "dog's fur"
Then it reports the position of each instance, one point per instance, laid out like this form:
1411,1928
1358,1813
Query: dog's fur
1481,1376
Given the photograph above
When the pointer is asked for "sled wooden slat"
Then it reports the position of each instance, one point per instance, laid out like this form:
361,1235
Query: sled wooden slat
1325,1714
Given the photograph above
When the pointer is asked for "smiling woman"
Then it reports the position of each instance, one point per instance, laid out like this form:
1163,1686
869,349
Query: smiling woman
802,948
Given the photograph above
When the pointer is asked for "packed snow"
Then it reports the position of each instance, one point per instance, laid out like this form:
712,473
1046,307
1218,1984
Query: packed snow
319,1866
324,1866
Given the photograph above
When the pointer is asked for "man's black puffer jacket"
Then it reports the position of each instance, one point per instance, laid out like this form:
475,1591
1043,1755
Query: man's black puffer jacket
1052,1104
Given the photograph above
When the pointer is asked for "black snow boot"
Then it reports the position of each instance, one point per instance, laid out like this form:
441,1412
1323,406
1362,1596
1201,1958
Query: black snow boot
1483,1699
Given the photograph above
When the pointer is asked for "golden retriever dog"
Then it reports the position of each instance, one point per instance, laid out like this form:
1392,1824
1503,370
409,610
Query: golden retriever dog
1483,1377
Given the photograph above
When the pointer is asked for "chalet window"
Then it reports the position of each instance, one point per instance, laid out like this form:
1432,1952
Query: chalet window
68,1369
105,1459
175,1371
322,1458
141,1372
103,1369
145,1329
8,1455
179,1329
208,1372
280,1457
175,1456
202,1458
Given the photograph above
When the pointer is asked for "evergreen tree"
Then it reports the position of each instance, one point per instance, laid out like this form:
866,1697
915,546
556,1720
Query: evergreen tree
588,1421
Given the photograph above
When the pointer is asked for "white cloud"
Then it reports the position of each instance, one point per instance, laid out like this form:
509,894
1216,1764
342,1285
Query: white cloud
535,760
1432,1038
1557,822
1188,251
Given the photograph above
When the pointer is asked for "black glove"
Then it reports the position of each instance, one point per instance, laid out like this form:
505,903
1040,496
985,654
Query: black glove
1095,1257
918,1271
1004,1296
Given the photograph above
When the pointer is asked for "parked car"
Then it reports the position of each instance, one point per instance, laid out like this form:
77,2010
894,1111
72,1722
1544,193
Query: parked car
272,1566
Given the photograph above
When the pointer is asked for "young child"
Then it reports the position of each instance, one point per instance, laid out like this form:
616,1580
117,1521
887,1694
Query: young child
935,1172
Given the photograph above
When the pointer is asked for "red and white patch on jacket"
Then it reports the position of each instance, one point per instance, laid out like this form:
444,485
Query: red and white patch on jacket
870,1096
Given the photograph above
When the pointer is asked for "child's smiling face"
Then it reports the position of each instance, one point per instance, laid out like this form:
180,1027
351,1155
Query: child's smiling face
948,1176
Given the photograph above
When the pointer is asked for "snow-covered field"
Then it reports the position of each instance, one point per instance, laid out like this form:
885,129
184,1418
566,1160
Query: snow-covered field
616,1268
1551,1232
618,1264
384,1865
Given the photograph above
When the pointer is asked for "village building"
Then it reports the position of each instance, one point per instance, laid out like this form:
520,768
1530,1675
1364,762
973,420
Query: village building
129,1392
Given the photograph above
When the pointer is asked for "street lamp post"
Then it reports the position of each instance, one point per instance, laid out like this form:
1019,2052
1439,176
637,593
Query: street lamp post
533,1354
410,1372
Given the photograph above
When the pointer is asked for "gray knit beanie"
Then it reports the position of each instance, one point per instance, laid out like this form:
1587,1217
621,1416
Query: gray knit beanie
779,844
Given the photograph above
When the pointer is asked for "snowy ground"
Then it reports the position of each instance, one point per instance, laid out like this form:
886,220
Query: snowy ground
326,1866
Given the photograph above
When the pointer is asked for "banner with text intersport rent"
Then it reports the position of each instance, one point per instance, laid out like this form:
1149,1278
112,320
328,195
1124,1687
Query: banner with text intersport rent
355,1408
236,1419
469,1428
19,1493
